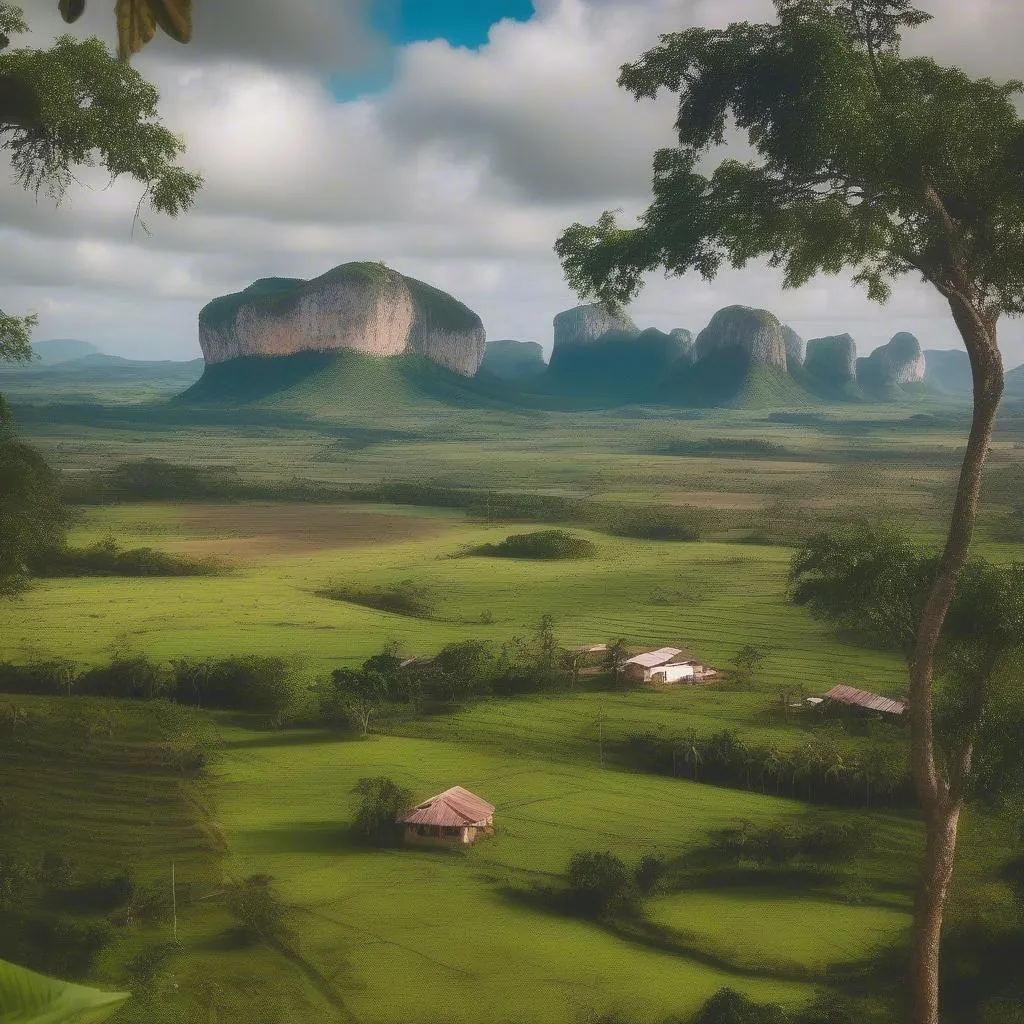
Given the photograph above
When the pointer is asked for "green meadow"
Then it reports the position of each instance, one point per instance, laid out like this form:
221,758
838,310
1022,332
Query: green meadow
401,936
710,597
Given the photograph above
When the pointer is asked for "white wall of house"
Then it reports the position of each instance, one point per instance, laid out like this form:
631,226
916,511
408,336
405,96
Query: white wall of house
671,673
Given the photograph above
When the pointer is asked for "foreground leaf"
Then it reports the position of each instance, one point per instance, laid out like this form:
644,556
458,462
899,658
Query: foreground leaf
30,998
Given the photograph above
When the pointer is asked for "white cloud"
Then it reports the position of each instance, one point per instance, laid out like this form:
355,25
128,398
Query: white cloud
462,173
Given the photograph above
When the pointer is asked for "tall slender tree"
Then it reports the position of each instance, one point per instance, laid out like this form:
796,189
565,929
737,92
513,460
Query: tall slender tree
866,161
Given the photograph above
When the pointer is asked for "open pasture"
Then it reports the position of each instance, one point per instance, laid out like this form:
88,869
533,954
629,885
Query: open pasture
400,929
712,598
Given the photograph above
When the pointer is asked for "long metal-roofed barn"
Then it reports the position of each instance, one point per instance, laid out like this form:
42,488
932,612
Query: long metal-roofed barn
853,697
666,665
455,817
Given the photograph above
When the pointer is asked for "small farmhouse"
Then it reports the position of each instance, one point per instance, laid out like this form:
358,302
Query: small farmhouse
666,665
453,818
851,697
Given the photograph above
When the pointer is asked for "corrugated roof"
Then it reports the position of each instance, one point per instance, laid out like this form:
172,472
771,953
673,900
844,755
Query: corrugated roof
453,807
653,658
863,699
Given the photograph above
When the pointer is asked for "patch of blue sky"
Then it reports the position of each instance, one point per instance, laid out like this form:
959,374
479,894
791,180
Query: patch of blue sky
463,23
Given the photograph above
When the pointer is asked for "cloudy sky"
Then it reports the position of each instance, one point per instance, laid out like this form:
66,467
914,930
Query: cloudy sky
451,139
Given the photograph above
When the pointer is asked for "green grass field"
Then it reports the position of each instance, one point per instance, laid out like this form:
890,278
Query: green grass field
712,598
403,936
403,924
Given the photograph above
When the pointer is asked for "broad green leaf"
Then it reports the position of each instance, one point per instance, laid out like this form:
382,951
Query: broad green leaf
30,998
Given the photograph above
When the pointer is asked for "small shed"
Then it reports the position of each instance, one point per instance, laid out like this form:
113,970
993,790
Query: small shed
454,818
667,665
850,696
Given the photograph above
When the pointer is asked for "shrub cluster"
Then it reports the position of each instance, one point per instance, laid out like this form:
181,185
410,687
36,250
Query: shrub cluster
815,771
826,842
57,921
248,683
379,802
404,598
107,558
655,522
545,544
725,446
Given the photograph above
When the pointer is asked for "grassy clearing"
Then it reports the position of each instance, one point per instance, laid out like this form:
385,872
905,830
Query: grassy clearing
719,596
445,922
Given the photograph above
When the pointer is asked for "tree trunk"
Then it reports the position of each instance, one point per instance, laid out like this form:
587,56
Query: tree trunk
933,887
933,788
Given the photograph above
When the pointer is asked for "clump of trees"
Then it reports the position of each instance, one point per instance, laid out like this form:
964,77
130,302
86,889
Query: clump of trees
386,686
259,910
816,771
379,802
253,683
406,597
654,522
541,544
826,842
108,558
601,884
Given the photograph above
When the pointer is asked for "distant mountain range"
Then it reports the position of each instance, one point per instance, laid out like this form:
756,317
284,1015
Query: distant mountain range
745,358
63,350
71,370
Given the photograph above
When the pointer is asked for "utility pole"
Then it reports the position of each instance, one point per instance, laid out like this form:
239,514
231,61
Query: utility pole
600,736
174,903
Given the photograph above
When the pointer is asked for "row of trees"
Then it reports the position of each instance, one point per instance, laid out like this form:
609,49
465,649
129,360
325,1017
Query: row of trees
816,771
254,683
530,663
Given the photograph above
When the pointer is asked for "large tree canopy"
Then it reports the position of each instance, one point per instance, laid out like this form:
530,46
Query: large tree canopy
69,106
865,160
74,104
869,162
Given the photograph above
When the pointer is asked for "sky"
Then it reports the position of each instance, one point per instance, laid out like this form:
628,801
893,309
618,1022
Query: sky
451,139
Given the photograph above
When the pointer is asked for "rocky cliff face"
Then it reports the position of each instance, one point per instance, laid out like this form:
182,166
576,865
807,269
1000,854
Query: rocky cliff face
901,361
362,306
756,331
794,347
513,360
832,360
684,339
584,324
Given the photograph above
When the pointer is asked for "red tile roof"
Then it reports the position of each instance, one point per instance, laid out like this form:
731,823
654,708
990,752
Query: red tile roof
863,699
453,807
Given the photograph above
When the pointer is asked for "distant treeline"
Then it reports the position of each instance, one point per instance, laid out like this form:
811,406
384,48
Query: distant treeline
158,480
248,683
724,446
815,771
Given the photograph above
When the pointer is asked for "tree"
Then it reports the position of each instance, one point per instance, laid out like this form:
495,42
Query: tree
74,104
868,161
875,582
747,663
357,693
67,106
380,802
615,657
600,883
32,515
259,910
